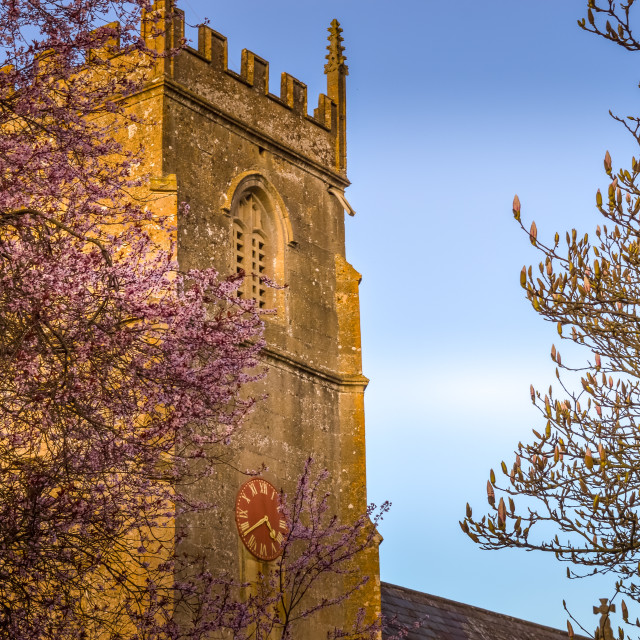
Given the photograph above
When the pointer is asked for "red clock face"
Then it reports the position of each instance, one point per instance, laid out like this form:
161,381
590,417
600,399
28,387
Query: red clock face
261,525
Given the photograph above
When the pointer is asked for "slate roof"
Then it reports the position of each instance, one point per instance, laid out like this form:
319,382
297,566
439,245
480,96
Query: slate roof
450,620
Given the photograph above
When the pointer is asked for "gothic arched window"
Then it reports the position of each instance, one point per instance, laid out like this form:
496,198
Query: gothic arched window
261,232
255,247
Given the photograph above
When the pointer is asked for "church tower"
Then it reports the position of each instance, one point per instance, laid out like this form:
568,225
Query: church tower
265,182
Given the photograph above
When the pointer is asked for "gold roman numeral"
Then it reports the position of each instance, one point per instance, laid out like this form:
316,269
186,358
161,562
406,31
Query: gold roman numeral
244,526
264,487
263,549
253,489
279,537
252,543
243,513
283,525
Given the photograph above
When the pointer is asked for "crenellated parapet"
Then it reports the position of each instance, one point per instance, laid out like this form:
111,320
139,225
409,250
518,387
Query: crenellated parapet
203,74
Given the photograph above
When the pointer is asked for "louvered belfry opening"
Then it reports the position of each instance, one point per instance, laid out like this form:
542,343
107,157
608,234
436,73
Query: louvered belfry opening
253,247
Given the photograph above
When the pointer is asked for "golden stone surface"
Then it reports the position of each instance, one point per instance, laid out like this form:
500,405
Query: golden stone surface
212,136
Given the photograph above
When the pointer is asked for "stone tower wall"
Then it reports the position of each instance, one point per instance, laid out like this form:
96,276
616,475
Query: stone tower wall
221,134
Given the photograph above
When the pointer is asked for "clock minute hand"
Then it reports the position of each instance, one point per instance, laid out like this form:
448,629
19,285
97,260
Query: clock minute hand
257,524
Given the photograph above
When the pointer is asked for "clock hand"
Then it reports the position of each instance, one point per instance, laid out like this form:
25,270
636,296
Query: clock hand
272,533
257,524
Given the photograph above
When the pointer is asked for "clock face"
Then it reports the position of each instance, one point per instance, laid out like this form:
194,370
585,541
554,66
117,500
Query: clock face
261,525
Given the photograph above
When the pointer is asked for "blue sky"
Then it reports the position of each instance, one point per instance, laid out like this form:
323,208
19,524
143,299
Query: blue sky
453,107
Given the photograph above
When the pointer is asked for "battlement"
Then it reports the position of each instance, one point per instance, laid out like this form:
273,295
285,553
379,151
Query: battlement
254,72
204,73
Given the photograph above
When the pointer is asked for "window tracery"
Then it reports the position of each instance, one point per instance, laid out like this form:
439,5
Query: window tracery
261,235
254,241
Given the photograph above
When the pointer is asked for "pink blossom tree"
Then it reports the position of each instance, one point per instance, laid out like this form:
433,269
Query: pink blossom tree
120,373
317,547
118,370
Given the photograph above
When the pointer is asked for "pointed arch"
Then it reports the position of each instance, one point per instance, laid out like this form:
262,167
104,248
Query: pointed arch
254,180
261,231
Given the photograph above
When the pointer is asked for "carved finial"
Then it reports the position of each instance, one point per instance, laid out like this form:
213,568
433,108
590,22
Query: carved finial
335,57
604,631
336,71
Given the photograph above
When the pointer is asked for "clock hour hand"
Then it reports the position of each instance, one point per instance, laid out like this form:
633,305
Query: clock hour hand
257,524
272,533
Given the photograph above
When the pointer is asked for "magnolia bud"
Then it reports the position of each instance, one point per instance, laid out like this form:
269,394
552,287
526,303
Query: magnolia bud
516,207
533,233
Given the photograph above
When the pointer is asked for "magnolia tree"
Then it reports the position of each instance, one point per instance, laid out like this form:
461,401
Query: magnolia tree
580,476
119,373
